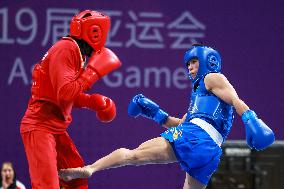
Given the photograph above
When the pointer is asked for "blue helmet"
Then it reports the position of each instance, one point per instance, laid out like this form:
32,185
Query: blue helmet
209,61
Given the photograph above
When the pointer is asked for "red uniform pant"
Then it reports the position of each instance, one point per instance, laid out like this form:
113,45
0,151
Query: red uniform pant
46,154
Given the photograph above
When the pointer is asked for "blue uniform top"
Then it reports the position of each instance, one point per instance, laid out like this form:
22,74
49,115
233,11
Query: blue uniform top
207,106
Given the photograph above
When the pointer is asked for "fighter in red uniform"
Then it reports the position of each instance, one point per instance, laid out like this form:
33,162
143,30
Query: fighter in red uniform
59,82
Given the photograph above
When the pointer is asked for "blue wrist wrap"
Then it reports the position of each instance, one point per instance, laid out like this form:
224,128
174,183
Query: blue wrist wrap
161,117
249,114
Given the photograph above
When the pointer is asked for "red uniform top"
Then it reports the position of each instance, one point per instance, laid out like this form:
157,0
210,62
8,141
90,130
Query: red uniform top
54,89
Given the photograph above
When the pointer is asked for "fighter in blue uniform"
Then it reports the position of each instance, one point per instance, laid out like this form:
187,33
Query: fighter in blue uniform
195,140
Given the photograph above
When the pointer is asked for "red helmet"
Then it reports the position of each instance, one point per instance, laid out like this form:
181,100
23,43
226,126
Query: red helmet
92,27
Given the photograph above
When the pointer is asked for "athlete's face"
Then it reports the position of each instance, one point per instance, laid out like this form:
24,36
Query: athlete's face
7,172
193,66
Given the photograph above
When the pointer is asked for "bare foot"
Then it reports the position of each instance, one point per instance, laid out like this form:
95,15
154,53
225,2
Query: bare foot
73,173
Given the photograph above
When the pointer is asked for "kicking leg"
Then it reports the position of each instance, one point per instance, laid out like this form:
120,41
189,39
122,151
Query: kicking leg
191,183
154,151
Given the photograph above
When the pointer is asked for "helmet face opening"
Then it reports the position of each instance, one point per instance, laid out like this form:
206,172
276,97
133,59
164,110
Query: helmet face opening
192,68
92,27
192,58
95,34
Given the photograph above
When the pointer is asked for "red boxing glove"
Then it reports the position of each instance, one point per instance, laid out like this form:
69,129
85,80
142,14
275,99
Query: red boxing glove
100,64
104,106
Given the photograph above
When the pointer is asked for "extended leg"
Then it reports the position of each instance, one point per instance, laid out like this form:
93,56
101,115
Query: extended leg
154,151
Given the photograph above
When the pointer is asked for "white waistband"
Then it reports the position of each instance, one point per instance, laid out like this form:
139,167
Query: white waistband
213,133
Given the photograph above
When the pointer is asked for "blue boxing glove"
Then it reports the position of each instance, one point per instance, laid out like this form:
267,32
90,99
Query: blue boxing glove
259,136
140,105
